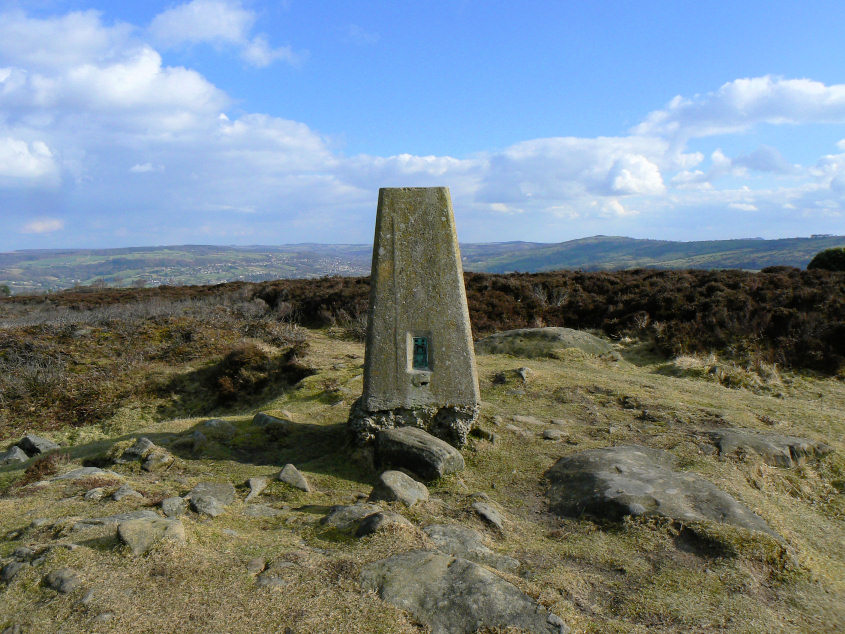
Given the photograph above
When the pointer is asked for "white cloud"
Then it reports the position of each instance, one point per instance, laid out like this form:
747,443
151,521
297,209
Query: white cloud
143,168
257,52
219,22
202,21
44,225
22,162
743,206
58,42
742,103
79,134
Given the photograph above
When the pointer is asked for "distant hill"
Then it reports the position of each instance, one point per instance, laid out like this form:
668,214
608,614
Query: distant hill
54,269
617,253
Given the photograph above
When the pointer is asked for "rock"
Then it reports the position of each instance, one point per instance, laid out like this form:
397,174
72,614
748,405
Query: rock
380,521
117,519
560,422
513,428
211,497
275,428
157,460
125,491
199,441
524,373
256,487
34,445
12,456
291,475
418,451
460,541
274,575
262,510
483,434
450,594
552,434
631,480
141,534
94,495
489,514
138,451
345,518
173,506
774,449
22,553
63,580
218,429
87,472
8,572
528,420
254,566
543,342
13,629
395,486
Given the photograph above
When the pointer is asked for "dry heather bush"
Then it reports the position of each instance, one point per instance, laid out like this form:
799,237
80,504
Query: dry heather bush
757,376
44,467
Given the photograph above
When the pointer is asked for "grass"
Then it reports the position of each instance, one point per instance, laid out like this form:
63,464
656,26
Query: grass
637,576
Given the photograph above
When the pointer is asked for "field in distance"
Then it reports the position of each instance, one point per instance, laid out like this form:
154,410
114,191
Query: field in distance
54,269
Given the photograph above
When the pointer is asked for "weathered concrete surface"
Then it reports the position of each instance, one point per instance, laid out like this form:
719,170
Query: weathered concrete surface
613,482
417,290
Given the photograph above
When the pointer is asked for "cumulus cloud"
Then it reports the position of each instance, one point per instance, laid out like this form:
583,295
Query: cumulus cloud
60,41
218,22
742,103
43,225
22,162
91,131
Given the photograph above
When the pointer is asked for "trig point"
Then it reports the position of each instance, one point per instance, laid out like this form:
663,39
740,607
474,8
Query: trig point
419,368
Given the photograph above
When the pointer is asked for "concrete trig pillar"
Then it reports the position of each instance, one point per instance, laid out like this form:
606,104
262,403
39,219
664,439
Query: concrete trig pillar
419,367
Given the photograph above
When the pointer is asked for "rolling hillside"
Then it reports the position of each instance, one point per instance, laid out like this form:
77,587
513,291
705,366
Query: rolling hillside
48,270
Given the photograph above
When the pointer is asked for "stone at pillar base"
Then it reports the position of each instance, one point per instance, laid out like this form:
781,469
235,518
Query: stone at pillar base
449,423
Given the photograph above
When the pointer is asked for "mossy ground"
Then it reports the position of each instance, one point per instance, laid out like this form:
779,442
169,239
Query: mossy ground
640,575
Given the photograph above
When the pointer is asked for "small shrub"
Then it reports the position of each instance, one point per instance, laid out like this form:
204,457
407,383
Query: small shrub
829,260
44,467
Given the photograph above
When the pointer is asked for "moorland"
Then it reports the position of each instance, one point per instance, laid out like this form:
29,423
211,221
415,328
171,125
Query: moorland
94,370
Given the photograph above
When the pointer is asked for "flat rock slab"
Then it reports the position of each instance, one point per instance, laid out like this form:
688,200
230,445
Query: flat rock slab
454,595
13,455
417,451
631,480
88,472
461,541
291,475
141,534
775,449
542,342
211,498
125,491
380,521
138,451
395,486
63,580
346,518
262,510
117,519
173,506
273,426
34,445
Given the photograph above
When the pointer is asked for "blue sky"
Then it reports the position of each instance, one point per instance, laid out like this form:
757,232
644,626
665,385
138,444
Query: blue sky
252,122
